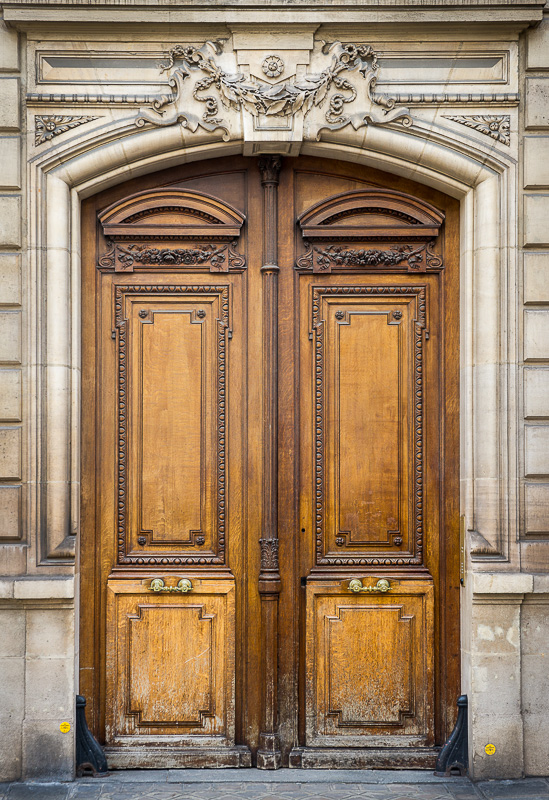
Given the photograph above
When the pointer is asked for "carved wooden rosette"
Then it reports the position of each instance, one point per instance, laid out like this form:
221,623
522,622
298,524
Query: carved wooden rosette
369,229
172,230
269,755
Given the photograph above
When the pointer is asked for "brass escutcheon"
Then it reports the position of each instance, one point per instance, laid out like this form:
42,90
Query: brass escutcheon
382,585
158,585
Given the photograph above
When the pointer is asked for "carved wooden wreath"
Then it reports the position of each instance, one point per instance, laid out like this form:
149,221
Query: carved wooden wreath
145,229
338,233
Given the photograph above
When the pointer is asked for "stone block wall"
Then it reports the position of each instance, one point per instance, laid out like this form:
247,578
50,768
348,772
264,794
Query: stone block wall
11,378
534,517
37,686
505,604
534,522
36,611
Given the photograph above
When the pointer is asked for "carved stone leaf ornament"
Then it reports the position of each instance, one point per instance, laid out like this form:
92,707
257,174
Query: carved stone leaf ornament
497,128
46,127
237,92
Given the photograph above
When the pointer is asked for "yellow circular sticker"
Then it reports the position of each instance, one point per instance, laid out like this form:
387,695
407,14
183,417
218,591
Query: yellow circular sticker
65,727
490,749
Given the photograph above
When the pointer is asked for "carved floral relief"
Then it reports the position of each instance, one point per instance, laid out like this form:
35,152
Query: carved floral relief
497,127
338,257
51,125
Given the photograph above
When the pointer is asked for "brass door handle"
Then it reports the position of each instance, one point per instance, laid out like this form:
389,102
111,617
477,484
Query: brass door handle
382,585
158,585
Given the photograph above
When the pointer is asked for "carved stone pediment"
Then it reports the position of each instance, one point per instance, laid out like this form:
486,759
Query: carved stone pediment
370,228
153,228
211,93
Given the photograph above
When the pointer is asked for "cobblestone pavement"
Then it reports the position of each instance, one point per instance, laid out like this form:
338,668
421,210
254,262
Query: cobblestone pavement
284,785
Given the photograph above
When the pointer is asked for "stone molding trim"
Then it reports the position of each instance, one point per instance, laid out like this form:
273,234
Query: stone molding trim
82,98
400,98
457,98
330,88
469,12
31,588
508,583
480,547
46,127
497,127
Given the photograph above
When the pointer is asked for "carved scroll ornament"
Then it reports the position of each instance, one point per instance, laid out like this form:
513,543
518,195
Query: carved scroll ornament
235,91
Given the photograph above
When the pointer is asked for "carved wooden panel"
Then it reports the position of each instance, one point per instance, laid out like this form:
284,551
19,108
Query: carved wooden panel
172,395
370,230
171,229
170,663
369,665
368,424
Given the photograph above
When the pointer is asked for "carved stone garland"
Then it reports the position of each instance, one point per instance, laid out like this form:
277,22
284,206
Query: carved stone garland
236,92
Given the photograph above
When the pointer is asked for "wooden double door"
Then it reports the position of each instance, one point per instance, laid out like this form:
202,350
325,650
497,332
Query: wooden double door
269,547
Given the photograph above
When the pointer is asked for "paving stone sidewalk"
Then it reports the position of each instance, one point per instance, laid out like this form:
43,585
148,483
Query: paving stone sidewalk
285,784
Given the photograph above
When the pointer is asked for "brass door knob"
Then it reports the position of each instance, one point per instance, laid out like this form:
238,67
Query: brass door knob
158,585
383,585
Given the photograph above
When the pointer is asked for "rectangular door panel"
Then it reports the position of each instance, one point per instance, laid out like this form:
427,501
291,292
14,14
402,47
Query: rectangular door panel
369,665
170,665
172,398
368,423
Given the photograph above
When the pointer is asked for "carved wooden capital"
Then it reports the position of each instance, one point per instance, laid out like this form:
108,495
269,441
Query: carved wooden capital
269,167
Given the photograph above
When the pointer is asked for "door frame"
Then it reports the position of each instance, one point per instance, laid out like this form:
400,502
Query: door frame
484,181
448,670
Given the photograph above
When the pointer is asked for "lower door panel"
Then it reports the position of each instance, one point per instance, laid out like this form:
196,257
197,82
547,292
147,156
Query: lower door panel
171,674
368,672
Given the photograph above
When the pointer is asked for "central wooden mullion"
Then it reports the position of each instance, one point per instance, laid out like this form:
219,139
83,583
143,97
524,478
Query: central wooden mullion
269,754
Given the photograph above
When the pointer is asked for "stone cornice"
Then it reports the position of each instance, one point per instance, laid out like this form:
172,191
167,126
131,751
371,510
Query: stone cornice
373,4
161,12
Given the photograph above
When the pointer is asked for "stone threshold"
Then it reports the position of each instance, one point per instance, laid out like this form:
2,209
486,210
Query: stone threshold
252,775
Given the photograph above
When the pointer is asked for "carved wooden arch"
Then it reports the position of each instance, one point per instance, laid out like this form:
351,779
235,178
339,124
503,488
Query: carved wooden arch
365,216
168,219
